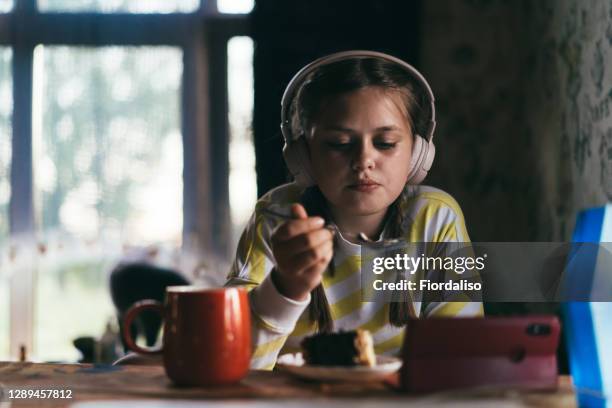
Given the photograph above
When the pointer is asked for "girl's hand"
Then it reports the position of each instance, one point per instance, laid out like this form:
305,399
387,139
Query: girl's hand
303,248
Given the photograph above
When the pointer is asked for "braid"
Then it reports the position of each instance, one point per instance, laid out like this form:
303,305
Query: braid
318,310
402,309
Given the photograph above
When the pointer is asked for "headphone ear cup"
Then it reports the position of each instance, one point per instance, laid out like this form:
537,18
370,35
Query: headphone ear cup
297,160
423,153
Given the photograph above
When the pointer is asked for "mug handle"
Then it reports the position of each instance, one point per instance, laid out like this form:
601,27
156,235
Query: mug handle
131,314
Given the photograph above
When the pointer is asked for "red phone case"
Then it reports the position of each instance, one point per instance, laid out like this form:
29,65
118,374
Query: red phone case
444,353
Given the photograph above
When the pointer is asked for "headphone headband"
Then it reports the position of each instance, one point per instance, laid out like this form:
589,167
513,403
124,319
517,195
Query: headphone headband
297,81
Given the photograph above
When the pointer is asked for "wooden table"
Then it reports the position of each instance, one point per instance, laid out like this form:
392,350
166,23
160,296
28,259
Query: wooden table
134,383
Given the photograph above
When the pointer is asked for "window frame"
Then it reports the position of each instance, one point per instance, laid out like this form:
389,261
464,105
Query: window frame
202,35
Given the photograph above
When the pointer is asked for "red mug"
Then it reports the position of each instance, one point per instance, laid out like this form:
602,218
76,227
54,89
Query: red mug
207,334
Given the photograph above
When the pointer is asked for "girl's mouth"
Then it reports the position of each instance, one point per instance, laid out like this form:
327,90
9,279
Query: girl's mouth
364,187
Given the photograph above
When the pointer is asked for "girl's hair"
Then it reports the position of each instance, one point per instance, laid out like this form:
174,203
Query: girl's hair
352,74
334,79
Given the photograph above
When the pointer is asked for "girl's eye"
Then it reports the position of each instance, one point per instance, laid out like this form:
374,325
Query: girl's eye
385,145
338,145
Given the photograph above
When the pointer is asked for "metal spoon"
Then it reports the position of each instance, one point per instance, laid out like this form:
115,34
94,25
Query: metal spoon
361,236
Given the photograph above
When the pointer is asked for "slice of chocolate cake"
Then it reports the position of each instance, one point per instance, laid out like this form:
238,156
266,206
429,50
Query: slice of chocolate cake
340,349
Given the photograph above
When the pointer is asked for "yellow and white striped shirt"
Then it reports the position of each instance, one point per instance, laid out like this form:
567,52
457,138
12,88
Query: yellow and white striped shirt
280,323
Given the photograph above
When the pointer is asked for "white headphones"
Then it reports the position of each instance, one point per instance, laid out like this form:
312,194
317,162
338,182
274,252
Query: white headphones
295,150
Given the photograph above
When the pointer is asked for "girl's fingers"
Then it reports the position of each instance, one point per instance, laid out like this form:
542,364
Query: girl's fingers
313,272
301,261
305,242
293,228
328,255
312,275
298,211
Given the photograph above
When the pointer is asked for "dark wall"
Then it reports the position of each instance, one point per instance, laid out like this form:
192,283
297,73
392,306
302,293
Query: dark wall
523,92
288,34
474,56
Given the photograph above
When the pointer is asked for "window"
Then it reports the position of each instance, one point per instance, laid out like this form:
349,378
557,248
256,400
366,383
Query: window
117,131
235,6
6,5
108,150
107,142
6,104
123,6
243,183
6,107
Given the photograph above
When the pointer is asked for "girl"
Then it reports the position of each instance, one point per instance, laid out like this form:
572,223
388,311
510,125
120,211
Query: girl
352,123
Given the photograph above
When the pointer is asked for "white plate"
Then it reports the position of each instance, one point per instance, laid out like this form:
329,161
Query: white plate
294,364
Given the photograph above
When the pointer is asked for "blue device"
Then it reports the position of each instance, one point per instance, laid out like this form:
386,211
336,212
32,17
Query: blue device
588,325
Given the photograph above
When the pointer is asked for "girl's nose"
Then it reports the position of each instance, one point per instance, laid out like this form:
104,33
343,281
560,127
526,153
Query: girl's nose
363,158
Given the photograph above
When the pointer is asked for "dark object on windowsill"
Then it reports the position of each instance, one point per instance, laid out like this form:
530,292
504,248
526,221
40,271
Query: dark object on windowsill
132,282
86,345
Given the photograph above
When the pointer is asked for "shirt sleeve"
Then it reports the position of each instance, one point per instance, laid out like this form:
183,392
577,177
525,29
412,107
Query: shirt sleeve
448,238
273,316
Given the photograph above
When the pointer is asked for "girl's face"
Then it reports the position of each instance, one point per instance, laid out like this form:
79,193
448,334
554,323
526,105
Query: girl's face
360,148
